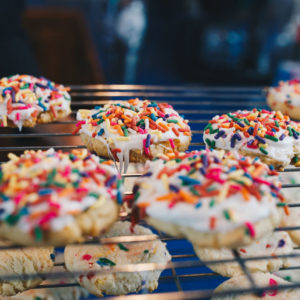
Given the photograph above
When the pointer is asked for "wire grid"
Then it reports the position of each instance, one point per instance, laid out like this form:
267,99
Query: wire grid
186,277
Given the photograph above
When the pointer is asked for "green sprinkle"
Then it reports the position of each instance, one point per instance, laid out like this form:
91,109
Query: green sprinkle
122,247
37,298
295,159
212,203
119,183
290,131
51,175
246,121
208,126
12,219
59,184
194,192
95,195
210,144
38,233
75,171
172,121
263,150
276,123
76,184
52,256
1,175
288,278
125,130
140,122
100,121
146,251
214,131
136,196
178,160
103,261
281,204
271,137
226,215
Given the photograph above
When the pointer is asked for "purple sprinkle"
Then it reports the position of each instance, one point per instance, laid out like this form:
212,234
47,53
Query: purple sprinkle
232,141
240,124
281,243
148,141
174,188
219,134
249,143
135,189
204,161
260,139
282,137
13,96
147,174
216,160
167,115
295,134
202,170
238,136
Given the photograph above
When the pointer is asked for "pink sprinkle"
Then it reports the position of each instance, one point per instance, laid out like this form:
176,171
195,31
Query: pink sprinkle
160,113
82,190
186,167
250,228
17,116
259,180
50,215
79,123
272,282
18,198
67,171
113,123
31,86
172,143
86,257
173,115
36,160
94,123
57,96
54,204
214,177
236,187
7,92
140,130
145,148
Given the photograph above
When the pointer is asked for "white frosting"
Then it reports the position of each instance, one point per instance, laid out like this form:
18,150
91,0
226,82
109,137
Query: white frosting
111,137
198,218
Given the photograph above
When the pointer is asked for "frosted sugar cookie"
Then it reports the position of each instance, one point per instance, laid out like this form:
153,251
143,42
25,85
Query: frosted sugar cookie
26,100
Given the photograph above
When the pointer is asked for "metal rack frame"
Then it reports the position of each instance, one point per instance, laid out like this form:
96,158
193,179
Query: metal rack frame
198,104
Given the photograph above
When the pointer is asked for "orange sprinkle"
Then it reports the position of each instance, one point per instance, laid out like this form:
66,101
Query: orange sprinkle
167,197
258,171
187,197
245,194
286,210
119,129
143,204
175,131
53,111
255,129
112,247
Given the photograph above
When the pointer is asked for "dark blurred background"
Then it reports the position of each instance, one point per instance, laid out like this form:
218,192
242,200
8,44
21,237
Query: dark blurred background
211,42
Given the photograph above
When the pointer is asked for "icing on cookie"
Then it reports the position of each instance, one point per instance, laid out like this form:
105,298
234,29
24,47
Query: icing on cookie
287,92
133,124
262,132
48,189
209,191
23,97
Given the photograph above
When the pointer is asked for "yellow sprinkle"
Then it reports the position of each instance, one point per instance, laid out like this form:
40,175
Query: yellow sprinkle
180,124
223,192
84,113
12,156
56,103
32,197
146,185
122,138
107,123
4,120
165,181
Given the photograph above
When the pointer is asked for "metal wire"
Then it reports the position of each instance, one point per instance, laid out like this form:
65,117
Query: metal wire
198,104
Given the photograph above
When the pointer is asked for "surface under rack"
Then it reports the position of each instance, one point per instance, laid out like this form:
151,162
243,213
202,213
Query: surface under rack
186,277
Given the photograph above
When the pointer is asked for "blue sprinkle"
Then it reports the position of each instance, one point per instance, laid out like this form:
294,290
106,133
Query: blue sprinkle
198,205
249,143
188,180
202,170
240,124
148,139
147,174
2,210
42,106
271,167
295,134
153,117
4,197
167,115
45,192
119,198
250,130
100,132
111,180
260,139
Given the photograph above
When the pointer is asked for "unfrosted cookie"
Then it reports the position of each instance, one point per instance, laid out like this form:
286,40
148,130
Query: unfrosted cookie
290,273
20,262
92,258
267,134
51,293
286,98
26,100
213,198
133,130
261,280
274,244
56,198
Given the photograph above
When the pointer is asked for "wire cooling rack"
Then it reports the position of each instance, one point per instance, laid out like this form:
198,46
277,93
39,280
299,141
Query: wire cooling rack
185,277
